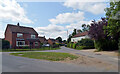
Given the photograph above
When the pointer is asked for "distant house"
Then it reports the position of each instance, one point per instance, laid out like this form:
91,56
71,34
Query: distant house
43,40
20,36
51,41
79,36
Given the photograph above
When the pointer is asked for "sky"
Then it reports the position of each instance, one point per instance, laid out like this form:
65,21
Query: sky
50,19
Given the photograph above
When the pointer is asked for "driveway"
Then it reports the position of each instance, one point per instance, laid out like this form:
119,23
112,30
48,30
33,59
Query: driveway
20,64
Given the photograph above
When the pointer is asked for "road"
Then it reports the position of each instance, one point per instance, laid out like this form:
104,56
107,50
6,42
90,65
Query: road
21,64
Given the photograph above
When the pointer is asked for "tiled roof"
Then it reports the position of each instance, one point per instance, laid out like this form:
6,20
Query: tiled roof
42,39
80,34
21,29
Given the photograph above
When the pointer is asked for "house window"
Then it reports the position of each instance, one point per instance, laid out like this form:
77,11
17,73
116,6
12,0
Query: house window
36,43
20,43
32,36
19,35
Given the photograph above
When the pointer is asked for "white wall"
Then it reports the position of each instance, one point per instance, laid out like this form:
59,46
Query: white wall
76,39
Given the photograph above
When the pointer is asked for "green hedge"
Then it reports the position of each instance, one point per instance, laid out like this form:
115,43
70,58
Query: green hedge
83,44
119,45
5,44
86,42
105,45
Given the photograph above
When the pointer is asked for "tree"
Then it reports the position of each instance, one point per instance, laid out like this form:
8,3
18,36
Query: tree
96,31
85,27
69,38
79,31
113,17
59,39
74,32
102,40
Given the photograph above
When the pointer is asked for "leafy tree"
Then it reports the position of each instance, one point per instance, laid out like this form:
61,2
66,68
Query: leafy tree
113,17
85,27
79,31
74,32
96,31
59,39
69,38
5,44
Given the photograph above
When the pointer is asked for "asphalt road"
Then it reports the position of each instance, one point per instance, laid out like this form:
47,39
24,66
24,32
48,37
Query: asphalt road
20,64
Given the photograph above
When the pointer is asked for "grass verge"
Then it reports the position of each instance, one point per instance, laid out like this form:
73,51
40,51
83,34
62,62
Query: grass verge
52,56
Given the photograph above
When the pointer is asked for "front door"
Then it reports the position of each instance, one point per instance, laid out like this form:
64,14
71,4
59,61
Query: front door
31,44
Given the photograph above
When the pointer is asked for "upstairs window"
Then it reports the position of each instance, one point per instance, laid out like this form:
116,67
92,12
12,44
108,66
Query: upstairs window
19,35
33,36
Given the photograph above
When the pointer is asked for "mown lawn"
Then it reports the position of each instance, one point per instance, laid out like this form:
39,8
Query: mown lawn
52,56
37,49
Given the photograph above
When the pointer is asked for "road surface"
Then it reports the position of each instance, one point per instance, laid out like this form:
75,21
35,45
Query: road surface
12,63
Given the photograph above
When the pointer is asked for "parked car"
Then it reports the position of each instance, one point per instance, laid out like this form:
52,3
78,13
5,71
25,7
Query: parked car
46,45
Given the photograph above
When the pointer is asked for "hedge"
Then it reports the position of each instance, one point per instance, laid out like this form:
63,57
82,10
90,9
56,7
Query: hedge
5,44
83,44
105,45
119,45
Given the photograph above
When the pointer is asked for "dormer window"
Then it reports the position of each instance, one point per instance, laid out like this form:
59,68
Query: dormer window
19,35
33,36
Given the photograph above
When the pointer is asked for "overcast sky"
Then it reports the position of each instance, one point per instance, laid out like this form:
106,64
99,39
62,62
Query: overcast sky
50,19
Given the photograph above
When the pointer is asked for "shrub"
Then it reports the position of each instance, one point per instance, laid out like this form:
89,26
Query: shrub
5,44
74,46
86,43
55,45
105,45
25,47
119,45
79,47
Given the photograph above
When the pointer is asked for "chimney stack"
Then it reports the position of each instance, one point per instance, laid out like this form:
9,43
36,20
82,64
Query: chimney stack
18,24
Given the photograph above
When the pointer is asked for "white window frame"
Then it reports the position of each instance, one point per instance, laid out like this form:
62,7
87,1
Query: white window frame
20,41
33,36
19,35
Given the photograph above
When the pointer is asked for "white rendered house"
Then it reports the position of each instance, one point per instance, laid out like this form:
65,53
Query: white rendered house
79,36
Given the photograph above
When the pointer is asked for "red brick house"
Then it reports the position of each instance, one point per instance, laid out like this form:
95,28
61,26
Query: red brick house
51,41
43,40
20,36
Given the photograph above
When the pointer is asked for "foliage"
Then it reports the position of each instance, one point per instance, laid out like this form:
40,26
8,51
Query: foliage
74,32
105,45
84,47
113,17
36,49
55,45
5,44
85,27
69,38
96,29
59,39
52,56
25,47
74,46
119,45
86,42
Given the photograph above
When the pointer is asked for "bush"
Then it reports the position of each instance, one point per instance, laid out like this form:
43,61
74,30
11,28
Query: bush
119,45
55,45
79,47
25,47
86,43
105,45
74,46
5,44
